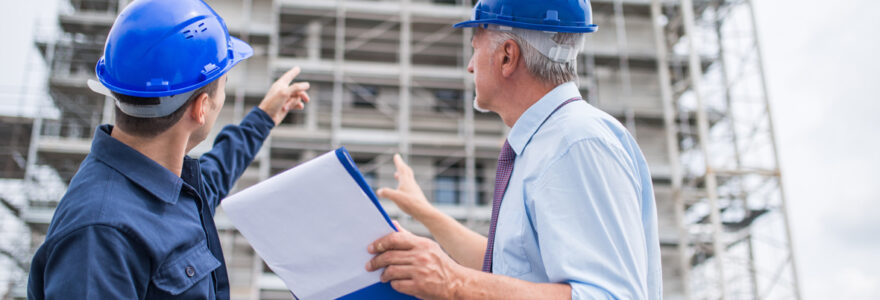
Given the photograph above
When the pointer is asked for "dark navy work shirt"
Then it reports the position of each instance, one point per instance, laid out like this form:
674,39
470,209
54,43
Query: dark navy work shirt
128,228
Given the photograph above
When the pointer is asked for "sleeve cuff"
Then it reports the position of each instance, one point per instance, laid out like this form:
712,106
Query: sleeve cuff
587,291
259,120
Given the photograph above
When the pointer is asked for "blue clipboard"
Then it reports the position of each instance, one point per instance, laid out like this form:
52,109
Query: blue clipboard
378,290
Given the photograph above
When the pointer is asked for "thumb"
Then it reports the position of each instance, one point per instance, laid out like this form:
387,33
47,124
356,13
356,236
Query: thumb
394,195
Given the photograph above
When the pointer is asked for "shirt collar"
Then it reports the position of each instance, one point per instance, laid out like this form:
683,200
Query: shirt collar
532,119
138,168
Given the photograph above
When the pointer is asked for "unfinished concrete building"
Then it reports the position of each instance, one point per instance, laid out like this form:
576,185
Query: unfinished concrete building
390,76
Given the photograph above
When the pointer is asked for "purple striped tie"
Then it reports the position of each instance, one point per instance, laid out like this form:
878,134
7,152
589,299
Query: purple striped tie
502,177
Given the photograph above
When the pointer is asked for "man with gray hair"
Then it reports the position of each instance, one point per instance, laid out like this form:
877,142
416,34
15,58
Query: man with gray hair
573,213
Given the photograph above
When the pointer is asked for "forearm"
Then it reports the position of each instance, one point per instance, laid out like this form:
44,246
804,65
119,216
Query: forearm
480,285
461,243
234,149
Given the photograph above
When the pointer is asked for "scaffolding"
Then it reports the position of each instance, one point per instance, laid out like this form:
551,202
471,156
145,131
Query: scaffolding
735,239
389,76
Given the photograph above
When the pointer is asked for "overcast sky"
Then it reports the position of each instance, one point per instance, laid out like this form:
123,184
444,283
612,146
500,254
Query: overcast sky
822,64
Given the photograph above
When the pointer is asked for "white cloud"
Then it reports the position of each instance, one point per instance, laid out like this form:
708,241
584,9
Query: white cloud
821,59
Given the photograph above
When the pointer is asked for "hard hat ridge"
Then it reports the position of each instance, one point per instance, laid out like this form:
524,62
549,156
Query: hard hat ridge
162,48
538,23
545,15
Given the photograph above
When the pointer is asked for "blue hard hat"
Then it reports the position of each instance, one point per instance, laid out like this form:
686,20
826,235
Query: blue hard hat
545,15
159,48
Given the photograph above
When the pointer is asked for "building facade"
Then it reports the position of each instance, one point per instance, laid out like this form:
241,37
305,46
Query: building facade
390,77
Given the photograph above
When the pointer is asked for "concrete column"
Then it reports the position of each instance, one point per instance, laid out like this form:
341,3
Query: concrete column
405,54
338,76
313,40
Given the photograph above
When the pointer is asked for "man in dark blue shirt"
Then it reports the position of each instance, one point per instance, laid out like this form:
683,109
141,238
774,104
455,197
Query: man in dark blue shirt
137,219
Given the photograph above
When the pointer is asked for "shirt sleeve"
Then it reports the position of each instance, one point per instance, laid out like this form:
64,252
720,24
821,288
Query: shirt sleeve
585,208
234,149
96,262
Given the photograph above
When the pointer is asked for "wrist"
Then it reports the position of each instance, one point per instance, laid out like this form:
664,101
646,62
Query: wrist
271,115
428,215
461,282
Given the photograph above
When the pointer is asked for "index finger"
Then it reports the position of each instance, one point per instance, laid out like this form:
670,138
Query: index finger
392,241
400,164
289,76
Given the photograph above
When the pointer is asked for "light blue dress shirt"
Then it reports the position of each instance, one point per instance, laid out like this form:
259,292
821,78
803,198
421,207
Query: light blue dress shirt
579,207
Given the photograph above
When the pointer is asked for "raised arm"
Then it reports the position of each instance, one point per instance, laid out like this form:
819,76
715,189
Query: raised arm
464,245
236,146
586,212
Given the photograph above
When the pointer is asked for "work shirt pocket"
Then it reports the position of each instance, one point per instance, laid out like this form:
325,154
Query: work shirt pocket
180,272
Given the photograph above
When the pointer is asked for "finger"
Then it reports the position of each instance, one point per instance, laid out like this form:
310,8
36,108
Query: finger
407,286
398,272
298,87
392,241
288,76
297,101
399,228
401,165
305,97
389,258
292,101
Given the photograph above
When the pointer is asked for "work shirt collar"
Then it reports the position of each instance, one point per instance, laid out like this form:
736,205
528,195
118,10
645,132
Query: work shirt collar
532,119
140,169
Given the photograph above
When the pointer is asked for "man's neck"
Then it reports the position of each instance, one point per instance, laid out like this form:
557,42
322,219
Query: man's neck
520,99
166,149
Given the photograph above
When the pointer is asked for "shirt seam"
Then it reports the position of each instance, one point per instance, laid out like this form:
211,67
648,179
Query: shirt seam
546,118
69,234
541,179
122,174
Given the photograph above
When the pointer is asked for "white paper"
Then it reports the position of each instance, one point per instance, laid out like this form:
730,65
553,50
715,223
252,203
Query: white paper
311,225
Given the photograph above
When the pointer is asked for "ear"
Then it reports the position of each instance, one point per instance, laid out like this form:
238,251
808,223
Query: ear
198,111
511,57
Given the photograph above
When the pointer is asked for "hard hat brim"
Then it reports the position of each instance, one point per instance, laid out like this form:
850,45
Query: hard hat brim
553,28
240,51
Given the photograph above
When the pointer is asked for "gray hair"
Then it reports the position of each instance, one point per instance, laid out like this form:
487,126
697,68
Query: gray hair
542,67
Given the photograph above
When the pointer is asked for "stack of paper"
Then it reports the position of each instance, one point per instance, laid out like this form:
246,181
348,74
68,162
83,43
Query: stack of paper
312,224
